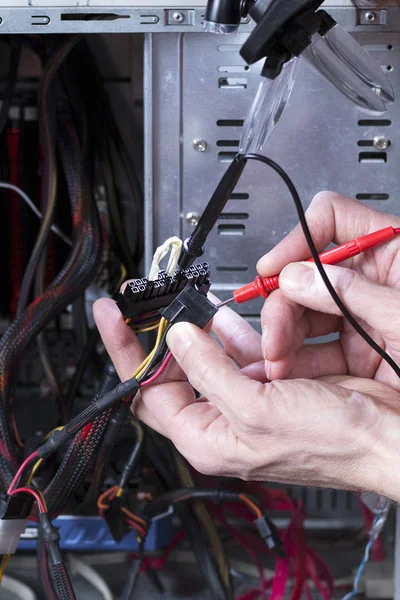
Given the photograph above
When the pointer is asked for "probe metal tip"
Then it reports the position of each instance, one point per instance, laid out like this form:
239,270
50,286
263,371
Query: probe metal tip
221,304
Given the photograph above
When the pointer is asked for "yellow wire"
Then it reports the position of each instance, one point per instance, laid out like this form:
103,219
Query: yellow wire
35,468
56,429
142,368
122,278
39,462
3,565
146,329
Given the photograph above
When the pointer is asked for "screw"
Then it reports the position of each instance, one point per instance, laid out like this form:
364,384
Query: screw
192,219
178,17
200,145
381,142
370,16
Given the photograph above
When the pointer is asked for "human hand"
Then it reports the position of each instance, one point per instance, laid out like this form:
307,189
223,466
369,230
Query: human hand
303,308
335,433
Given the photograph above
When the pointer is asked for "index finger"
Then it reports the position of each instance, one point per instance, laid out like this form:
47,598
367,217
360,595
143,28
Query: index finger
331,218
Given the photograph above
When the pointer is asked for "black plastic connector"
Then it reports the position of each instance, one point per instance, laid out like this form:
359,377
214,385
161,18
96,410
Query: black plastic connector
142,296
191,306
284,30
270,535
51,538
115,520
16,507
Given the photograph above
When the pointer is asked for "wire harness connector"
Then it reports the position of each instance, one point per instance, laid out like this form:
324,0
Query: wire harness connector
191,306
143,296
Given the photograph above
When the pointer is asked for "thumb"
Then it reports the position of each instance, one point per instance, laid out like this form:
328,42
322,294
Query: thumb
375,304
209,370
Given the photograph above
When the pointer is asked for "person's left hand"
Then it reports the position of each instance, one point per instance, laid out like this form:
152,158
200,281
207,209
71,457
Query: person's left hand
339,432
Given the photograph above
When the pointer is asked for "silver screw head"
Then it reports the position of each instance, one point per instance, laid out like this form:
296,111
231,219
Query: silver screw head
200,145
192,218
370,17
381,142
178,17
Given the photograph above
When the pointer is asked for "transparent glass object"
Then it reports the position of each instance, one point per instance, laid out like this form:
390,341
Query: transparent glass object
341,59
267,109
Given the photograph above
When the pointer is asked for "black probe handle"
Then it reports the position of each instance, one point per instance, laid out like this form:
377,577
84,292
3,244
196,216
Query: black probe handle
193,246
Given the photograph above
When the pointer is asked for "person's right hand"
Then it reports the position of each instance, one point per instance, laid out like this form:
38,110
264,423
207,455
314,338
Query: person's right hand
369,285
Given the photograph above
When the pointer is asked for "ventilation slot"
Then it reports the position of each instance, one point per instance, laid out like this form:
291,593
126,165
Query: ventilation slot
233,69
92,17
226,156
374,123
377,47
230,123
231,229
232,83
372,196
232,268
238,196
372,157
234,216
228,143
39,20
229,48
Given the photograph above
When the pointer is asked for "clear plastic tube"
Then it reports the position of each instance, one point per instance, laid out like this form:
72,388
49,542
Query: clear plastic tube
351,69
267,108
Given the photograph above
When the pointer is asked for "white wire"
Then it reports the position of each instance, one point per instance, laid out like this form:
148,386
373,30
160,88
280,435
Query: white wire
17,190
172,245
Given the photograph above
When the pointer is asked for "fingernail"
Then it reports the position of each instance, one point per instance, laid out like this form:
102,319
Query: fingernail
179,339
260,264
297,277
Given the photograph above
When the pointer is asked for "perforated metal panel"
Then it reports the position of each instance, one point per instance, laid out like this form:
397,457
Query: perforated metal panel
198,88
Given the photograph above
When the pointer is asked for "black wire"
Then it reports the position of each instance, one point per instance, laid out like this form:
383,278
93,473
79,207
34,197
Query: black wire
132,461
129,590
159,452
159,504
83,362
15,46
314,253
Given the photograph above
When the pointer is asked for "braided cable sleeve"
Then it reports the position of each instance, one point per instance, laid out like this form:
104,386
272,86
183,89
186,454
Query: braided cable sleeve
62,582
76,465
43,568
49,167
71,282
82,453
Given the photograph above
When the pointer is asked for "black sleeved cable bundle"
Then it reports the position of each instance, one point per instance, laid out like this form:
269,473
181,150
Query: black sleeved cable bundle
43,568
61,583
77,273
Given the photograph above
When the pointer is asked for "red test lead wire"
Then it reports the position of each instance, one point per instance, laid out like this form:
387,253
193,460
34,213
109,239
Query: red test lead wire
262,287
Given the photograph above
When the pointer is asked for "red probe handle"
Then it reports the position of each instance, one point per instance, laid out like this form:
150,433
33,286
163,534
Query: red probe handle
262,287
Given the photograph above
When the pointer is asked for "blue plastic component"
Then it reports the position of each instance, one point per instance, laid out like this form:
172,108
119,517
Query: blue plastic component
91,534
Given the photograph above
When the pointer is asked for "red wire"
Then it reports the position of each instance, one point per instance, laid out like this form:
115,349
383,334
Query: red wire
26,490
138,528
159,372
20,471
397,230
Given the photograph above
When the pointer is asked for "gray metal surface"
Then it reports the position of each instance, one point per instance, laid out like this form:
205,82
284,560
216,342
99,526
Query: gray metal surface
317,141
98,19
